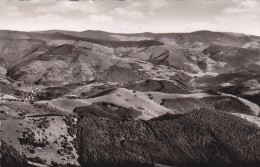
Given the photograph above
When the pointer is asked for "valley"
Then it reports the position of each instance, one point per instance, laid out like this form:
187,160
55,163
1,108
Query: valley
94,98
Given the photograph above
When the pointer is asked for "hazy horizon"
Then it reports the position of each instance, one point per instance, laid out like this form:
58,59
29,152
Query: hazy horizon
127,33
132,16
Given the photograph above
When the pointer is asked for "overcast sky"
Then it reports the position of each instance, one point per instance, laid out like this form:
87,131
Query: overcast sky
129,16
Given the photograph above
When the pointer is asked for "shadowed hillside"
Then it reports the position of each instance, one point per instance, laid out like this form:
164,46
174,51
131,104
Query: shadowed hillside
200,138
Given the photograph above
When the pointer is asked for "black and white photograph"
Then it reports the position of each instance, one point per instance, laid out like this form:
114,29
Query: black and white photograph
129,83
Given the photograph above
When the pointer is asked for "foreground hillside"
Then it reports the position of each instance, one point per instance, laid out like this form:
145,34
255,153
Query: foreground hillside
200,138
101,99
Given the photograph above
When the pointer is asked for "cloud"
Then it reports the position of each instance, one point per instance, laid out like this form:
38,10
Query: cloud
9,9
49,17
243,7
131,16
151,6
148,4
100,18
127,13
69,7
157,4
240,11
250,3
243,16
139,9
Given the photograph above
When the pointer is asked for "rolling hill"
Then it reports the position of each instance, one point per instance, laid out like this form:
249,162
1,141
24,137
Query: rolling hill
95,98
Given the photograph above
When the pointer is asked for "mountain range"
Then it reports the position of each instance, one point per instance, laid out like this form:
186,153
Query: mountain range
95,98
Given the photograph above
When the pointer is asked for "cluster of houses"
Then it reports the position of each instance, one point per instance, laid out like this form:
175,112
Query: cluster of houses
31,96
23,97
